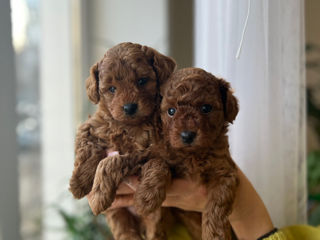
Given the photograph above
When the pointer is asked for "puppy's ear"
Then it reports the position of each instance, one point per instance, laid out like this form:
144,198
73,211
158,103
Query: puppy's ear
92,84
162,65
230,102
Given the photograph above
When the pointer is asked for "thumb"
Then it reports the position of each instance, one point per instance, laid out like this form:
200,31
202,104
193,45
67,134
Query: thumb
132,182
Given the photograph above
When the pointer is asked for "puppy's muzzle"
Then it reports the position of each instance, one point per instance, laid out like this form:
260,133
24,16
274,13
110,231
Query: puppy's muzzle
130,108
187,137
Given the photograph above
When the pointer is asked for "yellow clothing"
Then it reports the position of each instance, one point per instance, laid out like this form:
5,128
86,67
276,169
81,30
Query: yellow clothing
299,232
178,232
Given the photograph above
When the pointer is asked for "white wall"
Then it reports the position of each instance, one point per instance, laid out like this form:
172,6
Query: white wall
57,111
115,21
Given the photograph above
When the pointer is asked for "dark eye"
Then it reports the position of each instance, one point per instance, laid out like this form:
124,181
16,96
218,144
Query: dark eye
171,111
206,108
142,81
112,89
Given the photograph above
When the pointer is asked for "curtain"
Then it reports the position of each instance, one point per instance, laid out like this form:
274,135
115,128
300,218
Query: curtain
268,137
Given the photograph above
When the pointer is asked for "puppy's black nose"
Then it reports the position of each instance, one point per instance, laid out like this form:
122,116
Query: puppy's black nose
188,137
130,108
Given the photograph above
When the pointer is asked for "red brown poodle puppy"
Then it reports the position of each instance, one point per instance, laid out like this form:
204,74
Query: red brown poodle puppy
196,110
125,85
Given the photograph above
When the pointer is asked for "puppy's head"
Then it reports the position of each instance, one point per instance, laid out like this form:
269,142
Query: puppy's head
126,81
196,108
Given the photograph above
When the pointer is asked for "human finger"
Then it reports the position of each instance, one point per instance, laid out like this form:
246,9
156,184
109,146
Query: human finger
122,201
124,189
183,187
186,194
128,186
132,182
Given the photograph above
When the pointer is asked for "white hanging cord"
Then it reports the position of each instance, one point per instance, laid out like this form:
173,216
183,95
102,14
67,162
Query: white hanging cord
243,31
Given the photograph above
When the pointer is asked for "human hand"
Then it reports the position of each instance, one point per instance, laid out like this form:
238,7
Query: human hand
249,218
182,193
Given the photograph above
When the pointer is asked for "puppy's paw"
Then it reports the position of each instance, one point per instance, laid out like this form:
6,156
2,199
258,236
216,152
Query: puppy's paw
147,201
216,228
214,235
78,188
217,237
128,236
100,201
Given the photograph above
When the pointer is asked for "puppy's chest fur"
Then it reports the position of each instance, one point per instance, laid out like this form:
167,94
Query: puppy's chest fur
131,139
123,138
199,165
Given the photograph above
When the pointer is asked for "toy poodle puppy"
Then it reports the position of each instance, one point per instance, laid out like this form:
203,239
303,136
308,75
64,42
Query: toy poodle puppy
125,84
196,110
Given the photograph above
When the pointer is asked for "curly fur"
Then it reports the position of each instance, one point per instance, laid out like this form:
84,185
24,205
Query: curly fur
114,82
207,158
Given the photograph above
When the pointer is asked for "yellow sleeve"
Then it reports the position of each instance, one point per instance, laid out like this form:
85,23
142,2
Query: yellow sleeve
298,232
178,232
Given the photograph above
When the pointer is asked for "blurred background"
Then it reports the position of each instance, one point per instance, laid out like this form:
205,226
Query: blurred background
47,48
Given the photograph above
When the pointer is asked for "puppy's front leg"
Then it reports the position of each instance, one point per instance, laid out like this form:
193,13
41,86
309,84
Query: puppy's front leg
123,224
88,154
151,192
221,194
155,229
110,173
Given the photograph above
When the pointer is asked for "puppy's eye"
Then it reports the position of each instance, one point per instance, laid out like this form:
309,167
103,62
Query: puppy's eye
142,81
112,89
171,111
206,108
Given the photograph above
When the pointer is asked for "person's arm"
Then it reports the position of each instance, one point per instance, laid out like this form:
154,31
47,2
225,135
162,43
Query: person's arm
249,218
